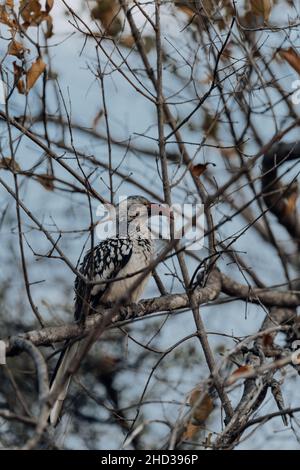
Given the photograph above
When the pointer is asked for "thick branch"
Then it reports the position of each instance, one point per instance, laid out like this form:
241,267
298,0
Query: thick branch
266,296
170,302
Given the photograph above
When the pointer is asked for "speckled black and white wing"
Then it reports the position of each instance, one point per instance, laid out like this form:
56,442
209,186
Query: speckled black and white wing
102,263
121,258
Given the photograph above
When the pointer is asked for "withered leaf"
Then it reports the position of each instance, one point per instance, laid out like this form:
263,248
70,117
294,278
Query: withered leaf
18,70
49,5
46,180
205,406
16,48
208,7
7,163
292,57
227,52
5,18
200,168
183,6
34,73
127,41
18,73
267,340
290,203
190,431
31,12
21,86
97,118
107,11
49,31
238,373
261,8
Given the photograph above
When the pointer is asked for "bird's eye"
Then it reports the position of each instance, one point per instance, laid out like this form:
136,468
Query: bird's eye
137,213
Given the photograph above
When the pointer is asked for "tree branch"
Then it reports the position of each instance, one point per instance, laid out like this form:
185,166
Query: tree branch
167,303
256,295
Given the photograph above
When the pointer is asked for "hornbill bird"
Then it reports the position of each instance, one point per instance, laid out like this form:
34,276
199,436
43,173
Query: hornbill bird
129,251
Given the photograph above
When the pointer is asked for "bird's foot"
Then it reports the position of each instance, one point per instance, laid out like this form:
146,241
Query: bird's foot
124,313
131,311
137,310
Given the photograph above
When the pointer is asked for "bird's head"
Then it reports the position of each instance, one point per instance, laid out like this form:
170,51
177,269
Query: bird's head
134,214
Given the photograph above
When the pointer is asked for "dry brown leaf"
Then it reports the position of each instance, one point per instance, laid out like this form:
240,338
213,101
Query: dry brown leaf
200,168
248,20
197,170
261,8
18,70
292,57
16,48
239,373
127,41
49,5
18,73
107,11
49,31
97,118
267,340
203,405
183,6
9,3
209,7
227,52
187,10
46,180
204,408
21,86
34,73
31,12
290,203
5,18
190,431
7,163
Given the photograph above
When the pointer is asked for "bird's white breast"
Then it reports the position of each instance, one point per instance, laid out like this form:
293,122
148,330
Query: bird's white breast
140,259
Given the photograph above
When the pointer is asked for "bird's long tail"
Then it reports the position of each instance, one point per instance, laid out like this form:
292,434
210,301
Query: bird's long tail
61,378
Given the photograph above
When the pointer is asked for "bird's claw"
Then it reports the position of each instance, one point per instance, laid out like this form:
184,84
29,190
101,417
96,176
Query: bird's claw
137,310
131,311
124,313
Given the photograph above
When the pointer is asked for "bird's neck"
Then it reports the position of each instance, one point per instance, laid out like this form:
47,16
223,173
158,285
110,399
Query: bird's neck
138,228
